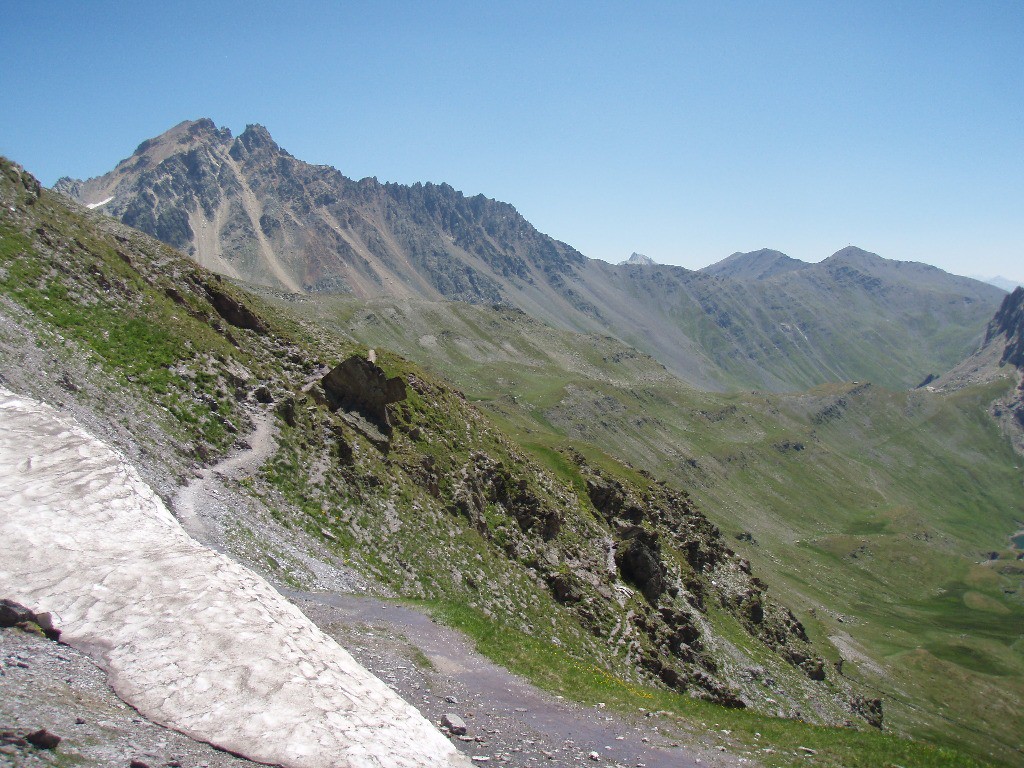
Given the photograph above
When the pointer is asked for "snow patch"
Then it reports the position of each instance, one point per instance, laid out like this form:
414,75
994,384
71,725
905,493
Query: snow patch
189,637
101,202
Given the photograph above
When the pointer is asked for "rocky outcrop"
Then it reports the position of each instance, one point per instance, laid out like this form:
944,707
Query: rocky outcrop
358,385
679,562
868,708
232,310
1009,324
13,614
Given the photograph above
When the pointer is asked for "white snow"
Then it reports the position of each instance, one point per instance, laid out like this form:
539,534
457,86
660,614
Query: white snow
189,637
101,202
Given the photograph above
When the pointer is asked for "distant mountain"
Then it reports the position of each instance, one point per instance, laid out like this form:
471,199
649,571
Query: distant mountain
999,282
638,259
756,265
248,209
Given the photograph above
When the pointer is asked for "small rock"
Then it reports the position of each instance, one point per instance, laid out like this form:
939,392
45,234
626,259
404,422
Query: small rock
594,756
79,721
43,739
12,613
138,764
808,750
454,723
480,759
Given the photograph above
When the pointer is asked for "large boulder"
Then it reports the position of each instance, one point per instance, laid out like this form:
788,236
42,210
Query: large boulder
359,385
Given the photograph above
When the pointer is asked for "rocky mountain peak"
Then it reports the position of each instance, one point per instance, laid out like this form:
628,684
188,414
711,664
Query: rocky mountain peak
256,137
638,259
851,254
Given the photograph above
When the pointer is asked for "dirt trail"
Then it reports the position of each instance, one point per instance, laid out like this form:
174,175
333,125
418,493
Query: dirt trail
438,671
257,447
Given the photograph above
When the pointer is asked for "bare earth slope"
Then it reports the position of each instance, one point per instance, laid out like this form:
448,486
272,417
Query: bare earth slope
246,208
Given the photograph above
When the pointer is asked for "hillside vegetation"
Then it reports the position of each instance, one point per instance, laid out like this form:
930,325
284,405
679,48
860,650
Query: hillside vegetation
883,516
596,578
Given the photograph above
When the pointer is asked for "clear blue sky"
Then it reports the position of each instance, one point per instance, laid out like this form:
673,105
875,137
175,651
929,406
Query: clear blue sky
681,130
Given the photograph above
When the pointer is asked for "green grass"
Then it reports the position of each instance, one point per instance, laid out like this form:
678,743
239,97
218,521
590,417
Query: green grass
923,482
555,670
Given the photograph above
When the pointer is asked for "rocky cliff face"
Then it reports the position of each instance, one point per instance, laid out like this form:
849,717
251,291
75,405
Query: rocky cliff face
246,208
1005,336
1007,328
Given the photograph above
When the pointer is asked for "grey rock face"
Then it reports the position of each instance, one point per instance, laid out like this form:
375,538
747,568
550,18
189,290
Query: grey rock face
359,385
454,723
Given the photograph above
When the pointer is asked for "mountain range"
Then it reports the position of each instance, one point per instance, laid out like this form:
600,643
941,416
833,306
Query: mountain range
246,208
591,520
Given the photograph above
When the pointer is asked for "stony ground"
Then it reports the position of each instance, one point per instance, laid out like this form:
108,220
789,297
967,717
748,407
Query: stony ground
508,721
49,685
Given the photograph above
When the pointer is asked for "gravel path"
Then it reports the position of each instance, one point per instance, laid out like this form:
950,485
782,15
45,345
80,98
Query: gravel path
509,721
199,495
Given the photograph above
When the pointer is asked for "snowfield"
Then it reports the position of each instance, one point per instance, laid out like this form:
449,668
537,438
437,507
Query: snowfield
190,638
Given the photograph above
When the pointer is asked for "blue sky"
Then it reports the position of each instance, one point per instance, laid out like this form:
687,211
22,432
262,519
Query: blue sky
685,131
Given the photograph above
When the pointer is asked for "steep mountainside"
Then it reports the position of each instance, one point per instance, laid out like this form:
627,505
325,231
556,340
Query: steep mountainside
246,208
600,571
1007,329
883,517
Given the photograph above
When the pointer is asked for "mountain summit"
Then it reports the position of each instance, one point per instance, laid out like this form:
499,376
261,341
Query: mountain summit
244,207
248,209
638,259
756,265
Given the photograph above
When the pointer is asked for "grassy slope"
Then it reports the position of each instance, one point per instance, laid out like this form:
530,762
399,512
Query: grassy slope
872,510
180,357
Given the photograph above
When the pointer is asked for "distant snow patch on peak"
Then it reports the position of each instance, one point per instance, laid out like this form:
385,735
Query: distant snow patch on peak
638,258
999,282
90,206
